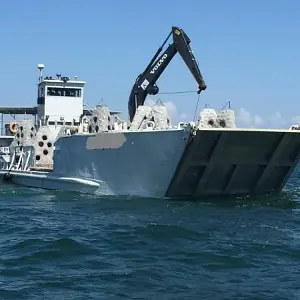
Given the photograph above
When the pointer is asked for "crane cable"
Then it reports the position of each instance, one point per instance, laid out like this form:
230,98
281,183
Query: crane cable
180,92
185,92
196,109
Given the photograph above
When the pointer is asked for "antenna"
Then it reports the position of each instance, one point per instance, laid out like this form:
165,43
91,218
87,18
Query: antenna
41,67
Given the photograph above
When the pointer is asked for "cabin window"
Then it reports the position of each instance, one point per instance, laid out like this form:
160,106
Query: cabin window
63,92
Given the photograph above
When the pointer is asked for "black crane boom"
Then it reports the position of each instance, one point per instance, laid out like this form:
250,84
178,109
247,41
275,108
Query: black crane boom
146,82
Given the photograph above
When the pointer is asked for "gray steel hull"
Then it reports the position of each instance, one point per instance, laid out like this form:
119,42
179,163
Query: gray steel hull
171,163
143,164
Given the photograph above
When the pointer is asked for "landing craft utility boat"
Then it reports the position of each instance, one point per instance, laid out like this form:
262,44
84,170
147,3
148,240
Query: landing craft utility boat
146,156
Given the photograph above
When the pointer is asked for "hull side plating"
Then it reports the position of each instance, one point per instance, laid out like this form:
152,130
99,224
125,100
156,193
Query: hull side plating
126,163
44,180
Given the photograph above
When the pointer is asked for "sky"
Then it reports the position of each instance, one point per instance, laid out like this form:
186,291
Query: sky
248,53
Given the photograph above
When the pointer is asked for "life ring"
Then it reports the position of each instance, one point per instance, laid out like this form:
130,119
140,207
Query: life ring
12,127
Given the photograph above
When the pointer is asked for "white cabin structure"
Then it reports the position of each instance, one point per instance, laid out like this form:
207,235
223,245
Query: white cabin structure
60,100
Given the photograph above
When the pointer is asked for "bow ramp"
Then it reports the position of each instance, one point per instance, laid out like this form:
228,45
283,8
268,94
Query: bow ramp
235,161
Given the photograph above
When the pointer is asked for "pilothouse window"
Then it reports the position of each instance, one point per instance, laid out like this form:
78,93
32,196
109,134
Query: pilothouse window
67,92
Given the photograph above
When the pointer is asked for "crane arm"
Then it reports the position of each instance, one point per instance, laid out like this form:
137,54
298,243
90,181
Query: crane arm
146,82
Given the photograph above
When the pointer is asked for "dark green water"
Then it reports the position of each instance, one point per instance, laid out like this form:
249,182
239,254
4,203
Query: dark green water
70,246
